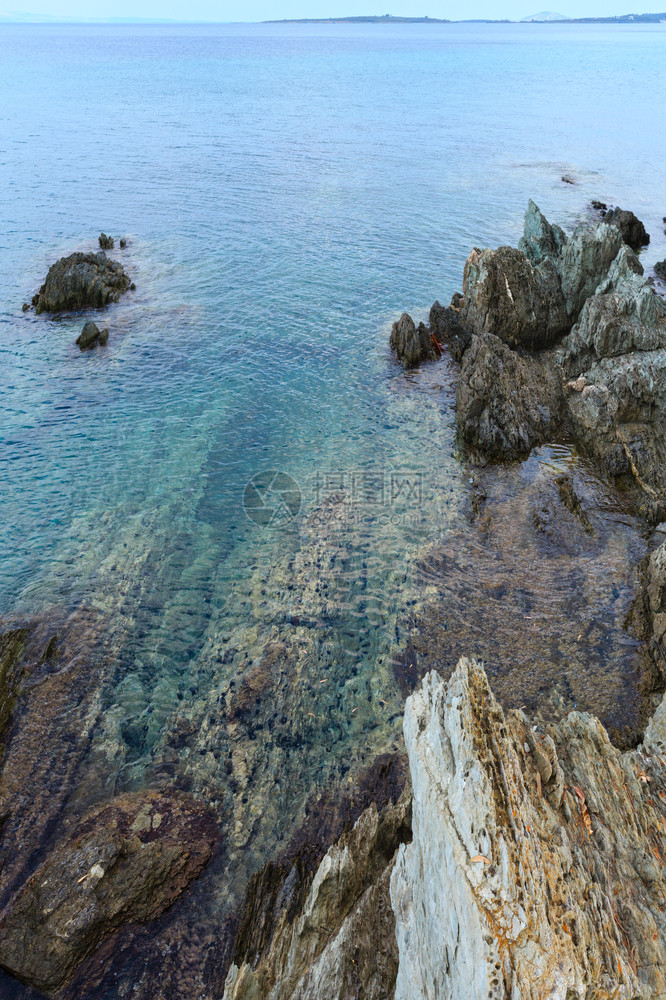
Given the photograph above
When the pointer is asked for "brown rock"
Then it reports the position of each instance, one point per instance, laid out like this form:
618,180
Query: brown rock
128,860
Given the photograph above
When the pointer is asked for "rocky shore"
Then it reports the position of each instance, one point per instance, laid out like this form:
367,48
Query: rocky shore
509,846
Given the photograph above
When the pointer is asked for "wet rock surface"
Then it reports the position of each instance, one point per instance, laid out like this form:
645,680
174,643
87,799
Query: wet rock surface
81,281
507,403
126,861
632,229
541,581
411,344
51,670
535,867
91,336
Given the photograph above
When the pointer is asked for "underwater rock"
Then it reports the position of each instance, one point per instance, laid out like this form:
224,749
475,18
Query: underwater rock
51,670
411,344
507,296
91,335
81,281
632,229
505,403
106,242
127,860
534,867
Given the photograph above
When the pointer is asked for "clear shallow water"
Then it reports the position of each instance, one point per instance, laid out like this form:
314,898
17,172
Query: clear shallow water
286,192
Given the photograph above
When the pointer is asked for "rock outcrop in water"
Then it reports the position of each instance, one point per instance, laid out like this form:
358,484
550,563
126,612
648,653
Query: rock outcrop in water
632,229
91,335
411,344
81,281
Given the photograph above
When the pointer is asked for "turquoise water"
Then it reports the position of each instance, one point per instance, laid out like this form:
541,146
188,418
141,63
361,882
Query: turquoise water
286,192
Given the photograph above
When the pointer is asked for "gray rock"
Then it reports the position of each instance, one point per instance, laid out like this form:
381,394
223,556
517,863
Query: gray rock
507,404
450,328
624,315
81,281
584,263
411,344
617,414
632,229
91,335
106,242
123,243
660,269
540,240
507,296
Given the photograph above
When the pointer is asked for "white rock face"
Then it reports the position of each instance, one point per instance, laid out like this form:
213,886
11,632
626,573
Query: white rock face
513,886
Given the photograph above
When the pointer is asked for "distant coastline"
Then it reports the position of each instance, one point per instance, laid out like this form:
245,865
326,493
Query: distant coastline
20,17
391,19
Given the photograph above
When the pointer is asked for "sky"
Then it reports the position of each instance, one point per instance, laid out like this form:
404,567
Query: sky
259,10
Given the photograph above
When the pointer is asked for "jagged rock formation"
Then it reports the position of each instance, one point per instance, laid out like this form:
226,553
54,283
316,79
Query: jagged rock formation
81,281
318,922
632,229
536,866
411,344
125,861
507,296
611,364
91,335
507,403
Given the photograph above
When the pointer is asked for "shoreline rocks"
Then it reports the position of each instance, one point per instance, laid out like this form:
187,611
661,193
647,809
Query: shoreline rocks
411,344
534,869
577,311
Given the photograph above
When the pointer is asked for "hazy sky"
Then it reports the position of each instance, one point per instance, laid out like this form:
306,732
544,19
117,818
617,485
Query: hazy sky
259,10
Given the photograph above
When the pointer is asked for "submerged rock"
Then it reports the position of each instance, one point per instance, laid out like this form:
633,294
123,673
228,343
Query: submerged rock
81,281
128,860
106,242
91,335
534,868
411,344
632,229
505,403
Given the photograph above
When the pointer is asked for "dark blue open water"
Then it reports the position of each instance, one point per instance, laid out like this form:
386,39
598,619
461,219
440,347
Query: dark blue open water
286,191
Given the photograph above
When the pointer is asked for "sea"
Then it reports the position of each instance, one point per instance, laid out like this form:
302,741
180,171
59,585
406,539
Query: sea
286,191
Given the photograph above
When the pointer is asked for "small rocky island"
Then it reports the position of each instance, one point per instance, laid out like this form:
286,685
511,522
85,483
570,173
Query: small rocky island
83,281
